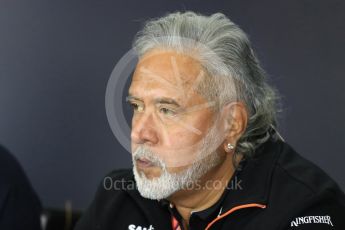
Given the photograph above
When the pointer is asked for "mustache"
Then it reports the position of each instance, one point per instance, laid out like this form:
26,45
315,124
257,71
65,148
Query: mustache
143,152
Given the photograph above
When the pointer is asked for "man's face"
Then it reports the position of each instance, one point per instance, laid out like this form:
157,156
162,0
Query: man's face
170,118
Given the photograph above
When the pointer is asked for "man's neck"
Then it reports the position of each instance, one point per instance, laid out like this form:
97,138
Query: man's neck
206,193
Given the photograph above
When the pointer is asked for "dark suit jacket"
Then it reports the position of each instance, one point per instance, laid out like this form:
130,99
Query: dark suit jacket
20,207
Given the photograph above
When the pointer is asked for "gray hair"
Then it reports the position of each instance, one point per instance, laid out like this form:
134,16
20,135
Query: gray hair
224,50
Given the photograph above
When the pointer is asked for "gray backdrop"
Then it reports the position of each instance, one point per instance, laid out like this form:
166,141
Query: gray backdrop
56,58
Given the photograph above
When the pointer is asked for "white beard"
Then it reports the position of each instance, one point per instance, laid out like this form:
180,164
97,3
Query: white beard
168,183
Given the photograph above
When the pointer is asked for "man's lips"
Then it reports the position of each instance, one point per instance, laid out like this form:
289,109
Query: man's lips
144,163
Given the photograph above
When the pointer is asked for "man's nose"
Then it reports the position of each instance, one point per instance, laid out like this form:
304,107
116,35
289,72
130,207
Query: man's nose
143,130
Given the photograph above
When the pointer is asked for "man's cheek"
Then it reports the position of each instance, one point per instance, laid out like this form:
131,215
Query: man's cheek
177,169
179,157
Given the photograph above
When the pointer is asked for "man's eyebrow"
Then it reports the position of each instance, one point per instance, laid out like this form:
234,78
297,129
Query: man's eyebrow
163,100
132,98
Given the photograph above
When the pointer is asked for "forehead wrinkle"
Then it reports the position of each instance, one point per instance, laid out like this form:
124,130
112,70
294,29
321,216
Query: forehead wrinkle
155,77
185,92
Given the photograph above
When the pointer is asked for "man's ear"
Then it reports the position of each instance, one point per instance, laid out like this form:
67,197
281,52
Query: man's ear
235,117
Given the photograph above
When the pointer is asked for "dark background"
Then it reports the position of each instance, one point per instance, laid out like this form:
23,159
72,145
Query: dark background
56,58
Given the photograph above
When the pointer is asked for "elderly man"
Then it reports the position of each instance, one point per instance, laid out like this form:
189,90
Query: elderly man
206,154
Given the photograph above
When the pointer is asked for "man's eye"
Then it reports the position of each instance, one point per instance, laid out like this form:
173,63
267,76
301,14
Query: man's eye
167,111
136,107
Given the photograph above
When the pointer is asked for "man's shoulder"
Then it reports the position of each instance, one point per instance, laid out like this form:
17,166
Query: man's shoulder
305,191
302,174
16,191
